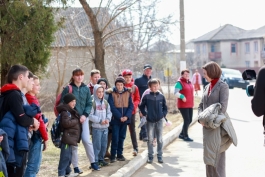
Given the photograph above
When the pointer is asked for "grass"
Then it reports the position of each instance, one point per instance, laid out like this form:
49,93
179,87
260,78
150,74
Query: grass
50,158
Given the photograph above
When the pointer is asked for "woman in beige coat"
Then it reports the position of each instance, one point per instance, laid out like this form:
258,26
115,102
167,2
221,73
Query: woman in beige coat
216,92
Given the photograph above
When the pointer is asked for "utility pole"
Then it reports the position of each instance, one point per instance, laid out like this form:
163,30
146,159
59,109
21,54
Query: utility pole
182,36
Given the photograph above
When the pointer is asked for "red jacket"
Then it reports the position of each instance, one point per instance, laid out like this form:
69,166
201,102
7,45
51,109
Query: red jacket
33,99
135,95
187,91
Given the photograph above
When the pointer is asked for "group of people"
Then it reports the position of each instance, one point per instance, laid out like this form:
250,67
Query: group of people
103,113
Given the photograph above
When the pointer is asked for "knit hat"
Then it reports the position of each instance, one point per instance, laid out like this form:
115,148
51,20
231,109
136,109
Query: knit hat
68,98
104,80
120,79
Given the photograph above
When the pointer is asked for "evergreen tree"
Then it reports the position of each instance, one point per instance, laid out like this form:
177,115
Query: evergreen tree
26,33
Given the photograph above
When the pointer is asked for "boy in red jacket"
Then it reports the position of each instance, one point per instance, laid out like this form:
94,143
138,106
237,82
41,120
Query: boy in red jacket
39,137
127,74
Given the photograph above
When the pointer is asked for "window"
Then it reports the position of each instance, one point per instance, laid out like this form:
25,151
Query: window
247,48
256,48
212,48
247,64
198,49
233,48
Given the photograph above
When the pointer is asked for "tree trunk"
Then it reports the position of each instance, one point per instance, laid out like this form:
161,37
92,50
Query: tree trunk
4,70
99,46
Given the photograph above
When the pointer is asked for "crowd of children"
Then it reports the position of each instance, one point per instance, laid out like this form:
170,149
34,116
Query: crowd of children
108,110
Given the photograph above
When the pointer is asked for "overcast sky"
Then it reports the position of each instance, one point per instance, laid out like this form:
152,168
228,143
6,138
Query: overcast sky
202,16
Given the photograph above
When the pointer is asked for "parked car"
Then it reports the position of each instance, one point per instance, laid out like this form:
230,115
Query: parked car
233,78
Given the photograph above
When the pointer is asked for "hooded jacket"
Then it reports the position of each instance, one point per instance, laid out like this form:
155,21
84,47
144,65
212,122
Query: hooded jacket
121,105
42,129
101,113
70,124
135,95
153,106
13,102
218,132
83,98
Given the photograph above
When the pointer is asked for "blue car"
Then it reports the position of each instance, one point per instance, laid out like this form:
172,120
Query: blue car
233,78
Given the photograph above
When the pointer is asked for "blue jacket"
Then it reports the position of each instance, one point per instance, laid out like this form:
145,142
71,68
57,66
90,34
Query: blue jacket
153,106
121,105
141,83
17,139
4,152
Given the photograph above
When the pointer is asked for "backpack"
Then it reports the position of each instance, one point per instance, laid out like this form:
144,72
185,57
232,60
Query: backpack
58,100
56,132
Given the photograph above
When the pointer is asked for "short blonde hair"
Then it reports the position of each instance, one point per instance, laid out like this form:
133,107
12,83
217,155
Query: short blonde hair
94,71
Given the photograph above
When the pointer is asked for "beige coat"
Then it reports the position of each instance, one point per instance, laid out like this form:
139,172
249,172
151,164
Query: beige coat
217,139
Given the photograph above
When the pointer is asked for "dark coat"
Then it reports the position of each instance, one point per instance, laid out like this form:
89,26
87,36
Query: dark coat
141,83
17,139
121,105
70,124
155,104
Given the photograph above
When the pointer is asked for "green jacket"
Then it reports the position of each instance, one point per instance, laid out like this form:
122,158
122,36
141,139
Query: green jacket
83,98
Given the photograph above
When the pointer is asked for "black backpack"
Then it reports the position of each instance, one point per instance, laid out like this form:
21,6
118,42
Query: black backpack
56,132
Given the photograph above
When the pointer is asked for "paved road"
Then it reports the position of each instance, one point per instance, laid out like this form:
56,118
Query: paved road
246,160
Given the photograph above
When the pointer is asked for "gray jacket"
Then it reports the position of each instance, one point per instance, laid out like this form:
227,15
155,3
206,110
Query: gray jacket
101,113
216,139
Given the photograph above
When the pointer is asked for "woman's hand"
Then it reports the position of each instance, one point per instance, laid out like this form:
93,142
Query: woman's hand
184,99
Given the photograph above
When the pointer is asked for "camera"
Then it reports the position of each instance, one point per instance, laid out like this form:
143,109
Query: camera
249,75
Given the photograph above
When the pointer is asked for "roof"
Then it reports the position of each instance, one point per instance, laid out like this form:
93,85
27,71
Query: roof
226,32
258,33
77,31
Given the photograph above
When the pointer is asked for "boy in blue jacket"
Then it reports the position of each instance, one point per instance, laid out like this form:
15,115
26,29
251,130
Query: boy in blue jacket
154,108
121,105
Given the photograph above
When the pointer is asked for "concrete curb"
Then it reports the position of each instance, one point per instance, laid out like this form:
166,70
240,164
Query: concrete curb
130,168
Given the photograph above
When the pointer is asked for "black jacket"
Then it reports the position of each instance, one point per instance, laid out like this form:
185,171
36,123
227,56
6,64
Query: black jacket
13,102
258,101
154,106
141,83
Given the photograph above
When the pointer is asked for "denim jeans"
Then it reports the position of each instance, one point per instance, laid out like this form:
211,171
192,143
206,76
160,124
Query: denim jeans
133,133
152,129
100,141
34,156
143,132
65,160
118,137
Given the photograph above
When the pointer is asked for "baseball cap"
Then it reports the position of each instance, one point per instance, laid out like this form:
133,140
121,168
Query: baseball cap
146,66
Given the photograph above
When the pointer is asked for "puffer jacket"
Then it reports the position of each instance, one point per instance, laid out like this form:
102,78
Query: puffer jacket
101,113
83,98
17,139
121,105
70,124
218,132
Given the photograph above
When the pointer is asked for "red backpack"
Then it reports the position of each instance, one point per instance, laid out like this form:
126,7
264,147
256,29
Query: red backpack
58,100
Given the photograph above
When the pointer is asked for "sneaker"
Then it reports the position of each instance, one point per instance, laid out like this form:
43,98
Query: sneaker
112,159
77,170
160,160
120,158
187,139
103,163
94,166
181,136
154,142
145,139
135,152
72,175
150,160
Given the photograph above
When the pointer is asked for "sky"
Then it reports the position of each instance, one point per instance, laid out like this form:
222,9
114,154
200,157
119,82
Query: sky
202,16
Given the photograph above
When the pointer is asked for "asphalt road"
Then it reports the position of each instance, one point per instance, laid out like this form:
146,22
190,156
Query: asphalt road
246,160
